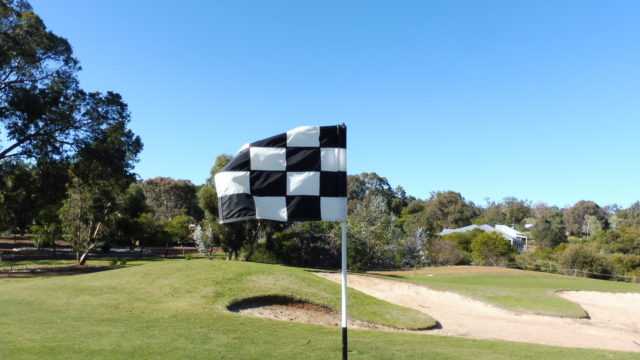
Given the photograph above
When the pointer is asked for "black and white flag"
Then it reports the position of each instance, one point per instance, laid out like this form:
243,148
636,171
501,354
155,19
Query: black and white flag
300,175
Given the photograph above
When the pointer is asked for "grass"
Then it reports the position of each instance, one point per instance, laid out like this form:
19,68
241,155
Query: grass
177,310
526,291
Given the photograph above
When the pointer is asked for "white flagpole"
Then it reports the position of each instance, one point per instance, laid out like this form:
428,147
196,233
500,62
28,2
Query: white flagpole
344,290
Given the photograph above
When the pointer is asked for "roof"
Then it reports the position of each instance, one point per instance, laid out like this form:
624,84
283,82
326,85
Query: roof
509,231
485,227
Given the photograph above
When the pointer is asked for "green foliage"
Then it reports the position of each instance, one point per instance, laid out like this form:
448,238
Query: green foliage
543,259
586,258
443,210
577,218
189,257
149,231
445,251
178,228
314,244
208,201
464,239
37,86
18,194
100,172
516,210
373,236
491,249
168,198
629,217
625,240
549,230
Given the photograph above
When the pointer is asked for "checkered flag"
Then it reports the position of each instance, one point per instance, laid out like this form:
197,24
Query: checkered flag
300,175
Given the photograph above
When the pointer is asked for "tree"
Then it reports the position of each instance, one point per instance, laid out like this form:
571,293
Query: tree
444,209
179,230
29,54
549,230
493,214
491,249
101,170
368,185
575,217
205,240
516,210
629,216
18,192
168,198
41,105
373,236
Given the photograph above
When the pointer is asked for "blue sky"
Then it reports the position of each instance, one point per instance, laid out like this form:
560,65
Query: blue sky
534,99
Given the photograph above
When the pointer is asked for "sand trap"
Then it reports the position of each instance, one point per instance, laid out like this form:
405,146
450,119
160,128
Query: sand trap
614,323
290,309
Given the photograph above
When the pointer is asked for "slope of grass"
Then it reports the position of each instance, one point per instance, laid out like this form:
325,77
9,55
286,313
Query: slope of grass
526,291
177,310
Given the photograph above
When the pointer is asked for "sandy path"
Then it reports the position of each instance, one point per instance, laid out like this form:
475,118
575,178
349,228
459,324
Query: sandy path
614,323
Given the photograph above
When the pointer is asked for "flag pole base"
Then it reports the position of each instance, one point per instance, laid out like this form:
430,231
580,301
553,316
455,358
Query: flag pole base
344,343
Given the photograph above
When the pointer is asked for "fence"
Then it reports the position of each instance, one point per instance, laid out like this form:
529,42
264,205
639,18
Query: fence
582,273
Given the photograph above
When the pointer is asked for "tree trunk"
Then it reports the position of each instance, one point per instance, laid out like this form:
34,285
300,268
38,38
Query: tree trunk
166,250
229,255
83,258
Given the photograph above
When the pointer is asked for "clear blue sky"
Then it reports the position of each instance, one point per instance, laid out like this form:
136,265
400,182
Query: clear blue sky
534,99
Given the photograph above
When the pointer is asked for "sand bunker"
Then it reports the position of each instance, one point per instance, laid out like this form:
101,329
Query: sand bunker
291,309
614,322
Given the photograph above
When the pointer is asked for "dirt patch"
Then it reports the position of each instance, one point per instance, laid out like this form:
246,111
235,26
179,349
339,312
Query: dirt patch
614,322
290,309
61,270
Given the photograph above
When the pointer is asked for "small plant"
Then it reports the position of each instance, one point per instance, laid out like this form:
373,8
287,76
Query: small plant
189,257
113,261
122,262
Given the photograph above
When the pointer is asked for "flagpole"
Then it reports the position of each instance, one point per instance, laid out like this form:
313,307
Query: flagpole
344,290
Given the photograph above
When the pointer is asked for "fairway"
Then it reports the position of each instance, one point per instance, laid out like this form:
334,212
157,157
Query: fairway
177,310
518,290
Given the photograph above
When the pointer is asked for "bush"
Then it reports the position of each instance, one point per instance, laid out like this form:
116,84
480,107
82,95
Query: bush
189,257
122,262
586,258
443,251
492,249
262,255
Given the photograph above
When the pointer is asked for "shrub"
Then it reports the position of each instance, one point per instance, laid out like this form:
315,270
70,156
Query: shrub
189,257
587,259
492,249
443,251
122,262
113,261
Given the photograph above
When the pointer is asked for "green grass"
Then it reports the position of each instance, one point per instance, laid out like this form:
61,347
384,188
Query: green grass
525,291
177,310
